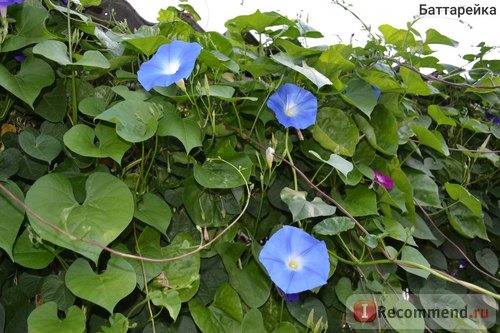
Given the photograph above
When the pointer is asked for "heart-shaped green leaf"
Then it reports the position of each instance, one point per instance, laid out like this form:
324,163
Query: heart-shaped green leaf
80,139
135,120
154,211
185,129
45,319
11,217
413,255
34,75
335,131
31,255
58,52
43,147
230,171
225,314
303,209
360,94
105,289
488,260
334,225
100,218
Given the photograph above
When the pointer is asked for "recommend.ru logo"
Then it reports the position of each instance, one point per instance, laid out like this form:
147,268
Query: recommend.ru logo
458,313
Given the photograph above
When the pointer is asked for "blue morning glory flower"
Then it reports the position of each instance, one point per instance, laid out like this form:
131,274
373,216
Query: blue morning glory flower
171,63
295,260
4,4
492,118
376,91
294,106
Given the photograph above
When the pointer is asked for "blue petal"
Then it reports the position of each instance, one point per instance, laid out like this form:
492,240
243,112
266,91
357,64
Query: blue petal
305,102
292,241
178,55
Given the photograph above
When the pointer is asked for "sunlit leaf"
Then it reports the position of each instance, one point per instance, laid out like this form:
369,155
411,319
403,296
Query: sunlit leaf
303,209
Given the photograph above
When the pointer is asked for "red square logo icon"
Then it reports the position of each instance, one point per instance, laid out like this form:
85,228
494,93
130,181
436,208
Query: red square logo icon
365,311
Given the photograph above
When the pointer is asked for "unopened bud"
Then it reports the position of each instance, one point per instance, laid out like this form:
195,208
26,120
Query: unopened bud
181,85
269,157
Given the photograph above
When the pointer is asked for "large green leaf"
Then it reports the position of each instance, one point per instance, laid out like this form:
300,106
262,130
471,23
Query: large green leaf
360,94
9,162
167,298
229,171
45,319
183,275
458,192
257,21
360,201
425,190
309,312
185,129
105,212
301,208
399,37
488,260
409,324
58,52
250,281
336,161
135,120
309,72
465,222
253,322
149,44
54,289
28,254
432,36
413,255
334,60
11,217
224,315
334,225
29,28
439,115
43,147
34,75
208,208
415,84
335,131
154,211
80,139
53,105
433,139
105,289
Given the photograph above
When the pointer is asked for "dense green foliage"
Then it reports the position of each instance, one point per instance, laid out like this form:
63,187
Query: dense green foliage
145,211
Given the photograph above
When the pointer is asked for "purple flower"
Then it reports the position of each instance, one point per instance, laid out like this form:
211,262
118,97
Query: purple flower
171,63
4,4
383,180
295,260
19,56
294,106
495,120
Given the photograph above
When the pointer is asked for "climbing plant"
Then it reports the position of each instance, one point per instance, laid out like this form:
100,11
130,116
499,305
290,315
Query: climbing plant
171,180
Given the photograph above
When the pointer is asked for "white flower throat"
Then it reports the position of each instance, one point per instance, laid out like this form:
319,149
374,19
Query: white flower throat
172,67
294,263
290,108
